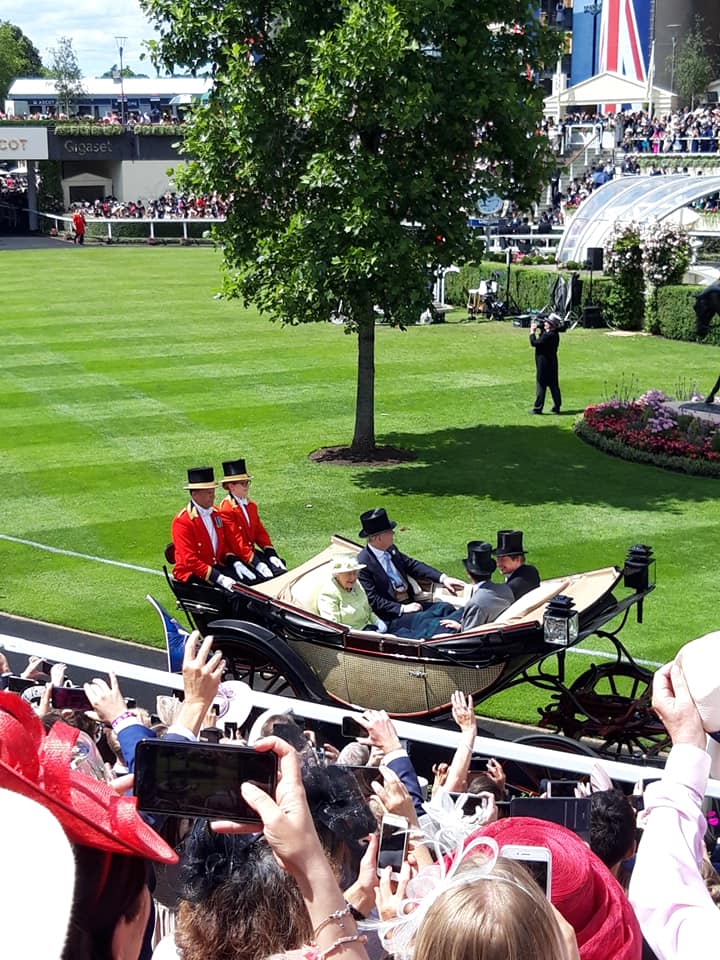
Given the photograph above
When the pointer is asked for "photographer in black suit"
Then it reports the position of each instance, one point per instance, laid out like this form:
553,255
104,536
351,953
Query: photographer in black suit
387,572
545,340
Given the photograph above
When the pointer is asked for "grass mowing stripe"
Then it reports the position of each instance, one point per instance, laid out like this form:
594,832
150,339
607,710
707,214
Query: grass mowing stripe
81,556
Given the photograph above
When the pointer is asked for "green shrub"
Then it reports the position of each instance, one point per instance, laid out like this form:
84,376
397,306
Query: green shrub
89,129
158,129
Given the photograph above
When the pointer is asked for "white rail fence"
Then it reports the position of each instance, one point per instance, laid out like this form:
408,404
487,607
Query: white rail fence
487,746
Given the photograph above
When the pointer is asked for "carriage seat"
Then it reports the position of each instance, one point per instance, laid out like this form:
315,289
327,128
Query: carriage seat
531,606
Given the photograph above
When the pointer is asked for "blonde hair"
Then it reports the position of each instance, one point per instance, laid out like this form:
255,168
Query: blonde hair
501,916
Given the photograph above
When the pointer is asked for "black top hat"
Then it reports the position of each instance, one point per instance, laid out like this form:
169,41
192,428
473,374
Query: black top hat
201,478
509,543
375,521
234,470
480,561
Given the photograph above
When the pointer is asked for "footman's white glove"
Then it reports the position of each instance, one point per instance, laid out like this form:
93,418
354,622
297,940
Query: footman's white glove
227,583
277,563
244,572
264,570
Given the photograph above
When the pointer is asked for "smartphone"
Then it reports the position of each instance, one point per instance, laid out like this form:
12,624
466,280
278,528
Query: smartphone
20,684
291,733
351,728
558,788
231,729
69,698
538,861
45,666
186,779
393,844
473,803
571,813
365,777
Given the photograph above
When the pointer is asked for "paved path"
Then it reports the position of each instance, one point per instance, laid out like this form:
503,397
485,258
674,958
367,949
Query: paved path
10,241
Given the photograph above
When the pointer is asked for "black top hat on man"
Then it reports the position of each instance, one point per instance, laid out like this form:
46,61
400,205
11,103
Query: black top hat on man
375,521
509,543
234,470
480,562
200,478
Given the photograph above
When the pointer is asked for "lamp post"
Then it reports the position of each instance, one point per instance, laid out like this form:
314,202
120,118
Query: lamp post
594,9
673,41
121,41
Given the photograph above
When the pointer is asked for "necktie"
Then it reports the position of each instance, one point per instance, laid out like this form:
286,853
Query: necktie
391,570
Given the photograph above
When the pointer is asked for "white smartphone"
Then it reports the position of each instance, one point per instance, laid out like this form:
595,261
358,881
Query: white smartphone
393,844
538,861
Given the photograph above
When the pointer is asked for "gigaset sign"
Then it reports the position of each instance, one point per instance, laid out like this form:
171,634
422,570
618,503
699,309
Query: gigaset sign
23,143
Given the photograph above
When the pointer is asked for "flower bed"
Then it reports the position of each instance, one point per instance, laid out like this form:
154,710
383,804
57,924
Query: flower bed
649,430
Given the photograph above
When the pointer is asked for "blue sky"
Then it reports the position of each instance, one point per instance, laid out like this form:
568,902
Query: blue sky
92,25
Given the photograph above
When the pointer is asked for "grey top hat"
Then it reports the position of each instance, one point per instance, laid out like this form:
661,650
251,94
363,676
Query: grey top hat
480,561
509,543
375,521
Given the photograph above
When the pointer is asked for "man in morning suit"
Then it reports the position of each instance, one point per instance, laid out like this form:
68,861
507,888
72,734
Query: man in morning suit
487,599
386,574
202,553
246,534
521,577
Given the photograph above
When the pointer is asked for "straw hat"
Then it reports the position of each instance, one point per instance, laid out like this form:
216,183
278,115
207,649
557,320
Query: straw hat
345,564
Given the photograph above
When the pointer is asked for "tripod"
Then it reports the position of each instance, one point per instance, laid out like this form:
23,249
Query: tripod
511,308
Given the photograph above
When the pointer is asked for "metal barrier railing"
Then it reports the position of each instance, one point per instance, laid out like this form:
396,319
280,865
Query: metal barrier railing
437,736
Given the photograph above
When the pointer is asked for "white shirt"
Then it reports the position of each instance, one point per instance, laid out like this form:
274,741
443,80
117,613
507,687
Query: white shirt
207,518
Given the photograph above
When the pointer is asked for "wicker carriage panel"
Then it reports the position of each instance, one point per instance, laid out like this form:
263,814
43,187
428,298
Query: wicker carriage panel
399,686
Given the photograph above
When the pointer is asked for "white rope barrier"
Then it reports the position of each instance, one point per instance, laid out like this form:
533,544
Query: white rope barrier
487,746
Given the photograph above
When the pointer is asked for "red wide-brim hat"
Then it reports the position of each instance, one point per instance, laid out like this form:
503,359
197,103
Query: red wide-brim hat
582,888
37,766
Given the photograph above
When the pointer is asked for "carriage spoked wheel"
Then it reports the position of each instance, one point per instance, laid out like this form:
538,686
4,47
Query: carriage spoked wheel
525,777
612,703
259,672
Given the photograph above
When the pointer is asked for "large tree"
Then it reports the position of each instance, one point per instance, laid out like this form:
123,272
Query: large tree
354,136
65,70
19,57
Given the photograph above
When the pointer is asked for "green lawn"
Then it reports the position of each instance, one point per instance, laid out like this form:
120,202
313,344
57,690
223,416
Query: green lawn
119,370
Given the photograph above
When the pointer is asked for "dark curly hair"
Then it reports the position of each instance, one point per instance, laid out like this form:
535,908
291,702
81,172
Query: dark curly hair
238,903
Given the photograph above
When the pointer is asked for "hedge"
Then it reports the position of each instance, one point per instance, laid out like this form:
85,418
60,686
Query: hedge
530,287
89,129
676,316
172,229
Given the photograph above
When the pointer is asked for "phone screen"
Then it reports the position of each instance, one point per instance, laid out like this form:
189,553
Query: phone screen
183,779
69,698
473,802
561,788
535,859
351,728
571,813
19,684
393,844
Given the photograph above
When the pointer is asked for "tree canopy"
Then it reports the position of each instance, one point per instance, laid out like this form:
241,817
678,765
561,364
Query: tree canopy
19,57
694,70
354,137
65,70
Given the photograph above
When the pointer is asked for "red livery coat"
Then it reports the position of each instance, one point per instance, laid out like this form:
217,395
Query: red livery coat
242,537
194,553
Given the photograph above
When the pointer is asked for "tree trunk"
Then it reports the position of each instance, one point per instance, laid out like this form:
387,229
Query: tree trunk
364,436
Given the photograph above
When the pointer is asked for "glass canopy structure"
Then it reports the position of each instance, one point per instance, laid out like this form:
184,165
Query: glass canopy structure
625,200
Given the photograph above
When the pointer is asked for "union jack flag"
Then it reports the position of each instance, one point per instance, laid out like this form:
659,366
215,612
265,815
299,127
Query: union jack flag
621,49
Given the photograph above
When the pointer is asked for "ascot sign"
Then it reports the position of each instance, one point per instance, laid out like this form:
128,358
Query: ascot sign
23,143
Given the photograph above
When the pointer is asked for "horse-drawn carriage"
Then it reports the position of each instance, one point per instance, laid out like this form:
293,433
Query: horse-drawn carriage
277,642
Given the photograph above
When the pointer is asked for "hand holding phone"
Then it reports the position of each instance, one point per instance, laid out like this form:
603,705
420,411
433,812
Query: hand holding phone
351,728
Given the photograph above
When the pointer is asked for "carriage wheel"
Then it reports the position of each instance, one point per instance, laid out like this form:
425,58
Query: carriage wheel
258,671
615,700
525,777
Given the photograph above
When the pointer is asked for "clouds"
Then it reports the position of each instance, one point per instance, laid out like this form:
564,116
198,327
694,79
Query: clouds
92,25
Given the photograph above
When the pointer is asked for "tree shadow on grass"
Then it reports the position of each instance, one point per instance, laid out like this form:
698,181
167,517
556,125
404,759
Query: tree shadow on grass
529,465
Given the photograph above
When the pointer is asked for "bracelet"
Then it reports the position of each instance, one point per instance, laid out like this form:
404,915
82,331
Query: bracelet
355,913
336,917
355,938
122,716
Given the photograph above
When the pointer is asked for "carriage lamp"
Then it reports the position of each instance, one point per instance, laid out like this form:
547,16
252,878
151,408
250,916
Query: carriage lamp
639,569
560,623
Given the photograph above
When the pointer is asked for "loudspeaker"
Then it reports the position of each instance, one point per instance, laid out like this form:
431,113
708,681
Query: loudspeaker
522,320
595,258
592,317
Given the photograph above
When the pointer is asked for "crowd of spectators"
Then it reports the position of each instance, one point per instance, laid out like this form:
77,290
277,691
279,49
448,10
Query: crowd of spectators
169,206
111,118
302,880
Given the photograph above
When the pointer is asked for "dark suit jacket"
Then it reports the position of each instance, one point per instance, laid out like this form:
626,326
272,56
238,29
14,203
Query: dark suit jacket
523,580
487,602
378,585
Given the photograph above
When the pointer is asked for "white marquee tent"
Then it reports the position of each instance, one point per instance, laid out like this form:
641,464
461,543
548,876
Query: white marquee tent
607,88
